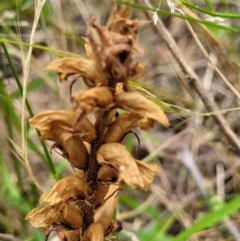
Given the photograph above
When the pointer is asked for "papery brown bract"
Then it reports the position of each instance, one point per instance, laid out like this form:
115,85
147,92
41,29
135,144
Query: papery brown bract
115,155
94,232
71,187
136,103
71,146
76,150
100,194
89,70
104,214
72,216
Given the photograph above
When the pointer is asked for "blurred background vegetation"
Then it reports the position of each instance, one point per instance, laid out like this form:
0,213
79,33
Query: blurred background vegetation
196,195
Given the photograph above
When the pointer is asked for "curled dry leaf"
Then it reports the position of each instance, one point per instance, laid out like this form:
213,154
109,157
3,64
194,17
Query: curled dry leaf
104,214
115,155
94,232
100,97
71,187
136,103
86,68
67,120
124,124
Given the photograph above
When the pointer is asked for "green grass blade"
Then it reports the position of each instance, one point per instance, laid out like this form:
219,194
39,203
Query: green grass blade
49,159
214,14
209,4
207,23
210,219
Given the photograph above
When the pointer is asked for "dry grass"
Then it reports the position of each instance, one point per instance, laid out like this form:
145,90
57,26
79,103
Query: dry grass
199,154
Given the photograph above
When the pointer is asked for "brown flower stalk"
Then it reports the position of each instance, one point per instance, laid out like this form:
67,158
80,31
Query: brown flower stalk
80,206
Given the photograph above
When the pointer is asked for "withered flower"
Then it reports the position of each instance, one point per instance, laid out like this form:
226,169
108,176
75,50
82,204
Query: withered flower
81,206
130,171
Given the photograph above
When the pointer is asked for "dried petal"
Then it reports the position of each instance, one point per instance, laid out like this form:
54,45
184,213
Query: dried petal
86,68
94,232
71,187
148,171
67,120
116,155
136,103
46,216
125,123
104,214
95,97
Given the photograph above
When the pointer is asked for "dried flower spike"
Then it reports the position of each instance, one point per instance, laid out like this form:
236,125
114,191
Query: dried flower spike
80,207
